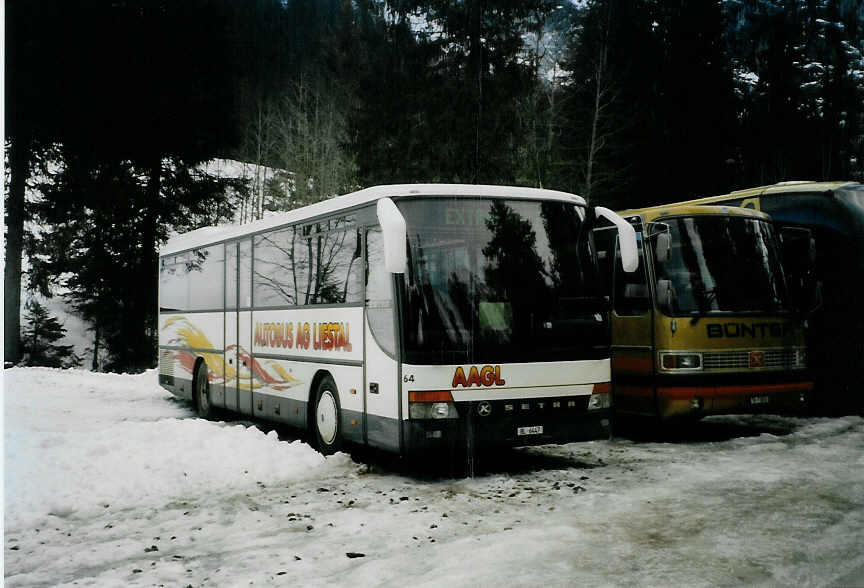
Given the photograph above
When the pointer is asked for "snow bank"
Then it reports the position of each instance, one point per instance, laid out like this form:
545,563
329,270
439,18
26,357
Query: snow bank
111,482
71,453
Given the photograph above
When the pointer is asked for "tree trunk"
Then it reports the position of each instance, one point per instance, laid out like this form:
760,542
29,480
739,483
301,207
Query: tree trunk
475,59
599,89
95,365
144,353
19,162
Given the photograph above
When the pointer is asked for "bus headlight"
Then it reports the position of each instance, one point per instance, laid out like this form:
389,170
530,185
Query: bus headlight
432,405
599,401
679,361
436,410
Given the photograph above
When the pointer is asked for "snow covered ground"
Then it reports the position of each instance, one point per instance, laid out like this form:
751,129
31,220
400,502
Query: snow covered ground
110,482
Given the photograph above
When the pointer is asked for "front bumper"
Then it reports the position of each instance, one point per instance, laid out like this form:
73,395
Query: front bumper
498,423
713,396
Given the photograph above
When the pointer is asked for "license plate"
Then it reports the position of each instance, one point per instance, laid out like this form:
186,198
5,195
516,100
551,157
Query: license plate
760,400
530,430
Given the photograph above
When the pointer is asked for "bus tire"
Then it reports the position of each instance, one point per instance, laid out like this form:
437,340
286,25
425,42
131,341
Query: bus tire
203,406
326,417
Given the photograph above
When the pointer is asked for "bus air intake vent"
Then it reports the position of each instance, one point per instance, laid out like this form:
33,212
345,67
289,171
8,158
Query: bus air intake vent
166,367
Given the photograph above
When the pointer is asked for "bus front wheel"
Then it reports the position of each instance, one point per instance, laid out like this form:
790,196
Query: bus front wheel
202,392
327,426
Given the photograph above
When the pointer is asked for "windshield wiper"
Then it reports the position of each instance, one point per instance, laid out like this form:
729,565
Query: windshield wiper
704,298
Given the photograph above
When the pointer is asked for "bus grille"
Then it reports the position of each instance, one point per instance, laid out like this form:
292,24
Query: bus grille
774,359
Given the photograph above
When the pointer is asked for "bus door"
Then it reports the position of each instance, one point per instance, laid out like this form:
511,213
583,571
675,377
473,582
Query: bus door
246,377
231,315
381,403
632,337
238,327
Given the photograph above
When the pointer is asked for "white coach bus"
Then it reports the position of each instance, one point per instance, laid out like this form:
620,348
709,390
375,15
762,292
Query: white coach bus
401,317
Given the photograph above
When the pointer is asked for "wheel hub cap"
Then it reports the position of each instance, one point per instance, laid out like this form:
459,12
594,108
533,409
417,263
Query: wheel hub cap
325,418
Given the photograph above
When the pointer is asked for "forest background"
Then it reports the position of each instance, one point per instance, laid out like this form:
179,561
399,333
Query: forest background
116,109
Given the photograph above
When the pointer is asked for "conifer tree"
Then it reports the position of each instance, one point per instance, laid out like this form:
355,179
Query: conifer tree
800,77
612,130
148,94
33,125
39,339
476,77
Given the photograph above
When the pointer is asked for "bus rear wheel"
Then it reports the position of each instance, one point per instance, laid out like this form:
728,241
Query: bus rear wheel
202,392
327,426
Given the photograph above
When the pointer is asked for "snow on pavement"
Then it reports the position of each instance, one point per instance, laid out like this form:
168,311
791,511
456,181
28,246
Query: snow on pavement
109,481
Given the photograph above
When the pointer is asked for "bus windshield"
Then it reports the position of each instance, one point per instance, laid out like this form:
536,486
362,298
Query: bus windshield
493,281
852,200
718,264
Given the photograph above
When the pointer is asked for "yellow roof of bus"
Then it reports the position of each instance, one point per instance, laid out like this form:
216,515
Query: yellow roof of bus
652,213
780,188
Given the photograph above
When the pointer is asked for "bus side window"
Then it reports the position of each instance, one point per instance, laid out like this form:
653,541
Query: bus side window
284,266
231,275
338,267
245,281
379,293
205,275
354,284
173,286
631,289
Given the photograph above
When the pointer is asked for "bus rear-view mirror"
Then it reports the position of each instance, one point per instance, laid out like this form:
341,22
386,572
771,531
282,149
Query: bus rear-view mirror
394,235
663,247
626,239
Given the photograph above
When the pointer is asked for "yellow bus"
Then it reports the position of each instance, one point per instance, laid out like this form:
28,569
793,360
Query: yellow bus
834,213
705,325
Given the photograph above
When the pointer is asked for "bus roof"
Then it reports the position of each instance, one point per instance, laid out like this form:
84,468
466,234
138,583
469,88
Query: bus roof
652,213
212,235
793,187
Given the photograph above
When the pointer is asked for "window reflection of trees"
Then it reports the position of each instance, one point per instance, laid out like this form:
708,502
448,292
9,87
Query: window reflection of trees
192,280
205,269
723,264
499,285
337,275
514,271
195,260
172,283
307,265
278,257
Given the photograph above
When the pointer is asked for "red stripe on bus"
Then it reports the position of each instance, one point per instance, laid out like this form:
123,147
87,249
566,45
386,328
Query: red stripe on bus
690,391
629,390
